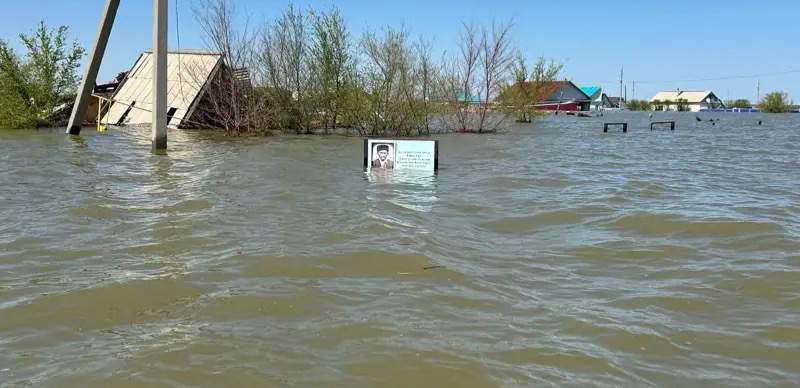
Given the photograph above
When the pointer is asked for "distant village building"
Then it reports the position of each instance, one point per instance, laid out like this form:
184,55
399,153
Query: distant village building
563,96
600,100
684,100
190,76
616,103
597,97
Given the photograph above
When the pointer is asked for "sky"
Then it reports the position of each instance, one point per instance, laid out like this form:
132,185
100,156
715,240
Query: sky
725,46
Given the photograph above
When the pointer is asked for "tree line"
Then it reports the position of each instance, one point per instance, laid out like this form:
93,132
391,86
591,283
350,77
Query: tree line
309,74
306,73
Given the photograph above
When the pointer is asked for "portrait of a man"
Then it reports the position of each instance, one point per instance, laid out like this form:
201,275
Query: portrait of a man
383,156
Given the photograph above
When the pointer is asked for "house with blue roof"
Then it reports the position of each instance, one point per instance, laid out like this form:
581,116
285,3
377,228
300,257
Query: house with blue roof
595,93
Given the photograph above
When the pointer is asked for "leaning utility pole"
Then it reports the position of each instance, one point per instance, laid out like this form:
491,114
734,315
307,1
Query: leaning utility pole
159,100
90,76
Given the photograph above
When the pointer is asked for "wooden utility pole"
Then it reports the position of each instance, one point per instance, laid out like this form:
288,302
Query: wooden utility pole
159,125
90,75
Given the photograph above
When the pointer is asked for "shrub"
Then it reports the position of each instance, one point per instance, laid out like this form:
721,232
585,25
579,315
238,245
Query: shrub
776,102
38,88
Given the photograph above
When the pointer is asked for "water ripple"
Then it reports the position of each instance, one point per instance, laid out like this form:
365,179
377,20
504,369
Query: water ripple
554,255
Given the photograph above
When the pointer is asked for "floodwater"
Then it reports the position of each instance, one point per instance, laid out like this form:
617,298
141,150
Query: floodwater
554,255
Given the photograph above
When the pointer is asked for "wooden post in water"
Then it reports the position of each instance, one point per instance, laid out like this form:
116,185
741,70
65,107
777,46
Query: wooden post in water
90,76
159,125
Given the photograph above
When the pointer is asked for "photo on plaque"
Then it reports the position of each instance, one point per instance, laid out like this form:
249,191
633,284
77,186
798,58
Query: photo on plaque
383,155
418,155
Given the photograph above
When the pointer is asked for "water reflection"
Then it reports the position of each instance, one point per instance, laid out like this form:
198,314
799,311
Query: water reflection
413,190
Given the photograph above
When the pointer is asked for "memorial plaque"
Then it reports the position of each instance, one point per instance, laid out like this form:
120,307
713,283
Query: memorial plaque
419,155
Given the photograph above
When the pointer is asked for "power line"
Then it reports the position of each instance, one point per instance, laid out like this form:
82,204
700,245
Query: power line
727,77
732,77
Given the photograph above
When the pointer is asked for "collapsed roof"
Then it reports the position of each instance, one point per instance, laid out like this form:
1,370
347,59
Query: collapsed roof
188,75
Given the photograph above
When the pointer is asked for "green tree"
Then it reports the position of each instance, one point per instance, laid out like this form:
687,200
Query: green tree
15,109
739,103
45,79
639,105
516,96
528,87
776,102
657,105
681,105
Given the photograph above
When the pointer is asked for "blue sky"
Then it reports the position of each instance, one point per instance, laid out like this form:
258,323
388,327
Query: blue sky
662,44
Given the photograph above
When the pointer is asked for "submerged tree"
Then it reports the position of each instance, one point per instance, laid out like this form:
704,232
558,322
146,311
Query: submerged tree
427,74
390,82
307,75
516,96
521,97
231,101
460,81
476,76
38,88
639,105
741,103
332,64
285,66
776,102
496,58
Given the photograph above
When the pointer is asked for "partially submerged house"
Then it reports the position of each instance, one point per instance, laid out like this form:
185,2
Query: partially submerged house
686,100
615,103
103,94
190,75
563,96
596,95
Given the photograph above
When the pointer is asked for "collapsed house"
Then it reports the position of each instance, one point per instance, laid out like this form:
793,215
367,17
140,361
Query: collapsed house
102,93
193,79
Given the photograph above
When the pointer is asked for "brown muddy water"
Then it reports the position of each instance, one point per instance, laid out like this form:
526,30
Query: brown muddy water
555,255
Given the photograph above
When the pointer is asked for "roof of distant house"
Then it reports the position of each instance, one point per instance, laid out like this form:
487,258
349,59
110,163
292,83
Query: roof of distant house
590,91
690,96
550,88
